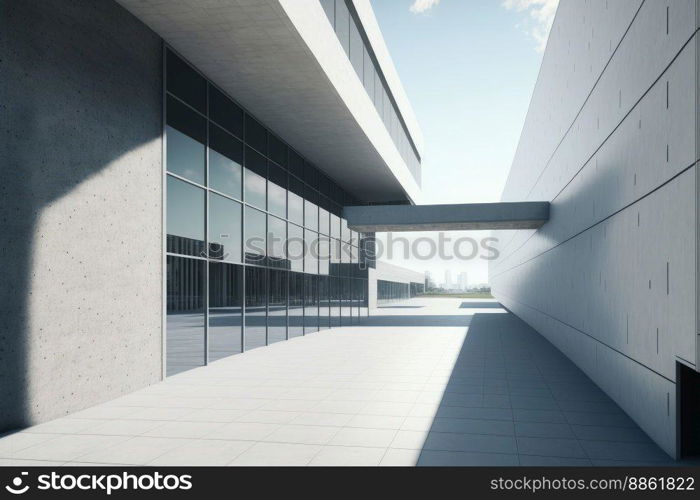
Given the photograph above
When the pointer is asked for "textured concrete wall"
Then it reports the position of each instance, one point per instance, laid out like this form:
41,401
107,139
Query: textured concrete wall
610,141
80,207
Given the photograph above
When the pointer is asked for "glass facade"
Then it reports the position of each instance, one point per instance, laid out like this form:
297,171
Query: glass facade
389,291
351,35
257,250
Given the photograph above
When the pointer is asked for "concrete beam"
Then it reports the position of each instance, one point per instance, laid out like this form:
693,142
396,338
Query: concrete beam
469,216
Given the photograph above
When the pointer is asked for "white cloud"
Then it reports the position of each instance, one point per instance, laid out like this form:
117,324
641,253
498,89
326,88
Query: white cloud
541,16
420,6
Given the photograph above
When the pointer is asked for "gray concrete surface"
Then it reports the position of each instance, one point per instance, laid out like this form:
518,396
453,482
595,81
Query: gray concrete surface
80,207
611,140
466,216
436,382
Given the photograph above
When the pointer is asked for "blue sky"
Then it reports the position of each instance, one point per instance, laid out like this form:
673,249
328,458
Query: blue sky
469,68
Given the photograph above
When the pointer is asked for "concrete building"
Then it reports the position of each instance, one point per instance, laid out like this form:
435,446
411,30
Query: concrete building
388,283
611,140
156,156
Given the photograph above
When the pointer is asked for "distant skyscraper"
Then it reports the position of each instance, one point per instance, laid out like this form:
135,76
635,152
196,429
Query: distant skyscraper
462,281
448,279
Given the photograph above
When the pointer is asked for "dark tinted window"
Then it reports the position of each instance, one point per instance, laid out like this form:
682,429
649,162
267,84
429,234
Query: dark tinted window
295,247
310,175
277,150
296,305
185,82
310,304
225,112
277,242
255,134
296,164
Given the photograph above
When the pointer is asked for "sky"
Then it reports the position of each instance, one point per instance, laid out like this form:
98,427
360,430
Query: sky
469,69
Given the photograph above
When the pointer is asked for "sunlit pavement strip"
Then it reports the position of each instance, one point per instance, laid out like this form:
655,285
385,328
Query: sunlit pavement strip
385,393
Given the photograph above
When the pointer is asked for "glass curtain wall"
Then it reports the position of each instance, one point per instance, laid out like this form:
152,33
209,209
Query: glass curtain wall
351,35
254,233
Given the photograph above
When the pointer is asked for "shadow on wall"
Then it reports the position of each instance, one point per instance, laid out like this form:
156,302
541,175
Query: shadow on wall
72,96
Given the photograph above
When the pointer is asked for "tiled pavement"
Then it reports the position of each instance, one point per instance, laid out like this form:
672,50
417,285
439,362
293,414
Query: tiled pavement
384,393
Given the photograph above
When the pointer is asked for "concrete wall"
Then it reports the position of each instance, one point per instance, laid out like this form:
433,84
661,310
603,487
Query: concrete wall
610,140
80,207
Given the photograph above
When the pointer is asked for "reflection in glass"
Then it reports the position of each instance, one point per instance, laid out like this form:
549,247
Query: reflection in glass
185,218
255,236
255,307
225,158
324,221
185,341
310,304
295,248
311,252
296,208
224,229
296,305
323,255
324,296
186,134
255,189
277,306
335,226
276,243
277,191
335,302
225,307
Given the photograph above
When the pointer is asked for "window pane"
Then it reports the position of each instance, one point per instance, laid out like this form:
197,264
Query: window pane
295,248
276,243
185,218
224,229
324,221
335,260
255,307
323,256
277,150
369,74
329,9
344,231
255,174
335,226
296,305
255,232
310,304
296,164
295,201
335,301
357,48
225,159
342,24
225,112
324,320
310,215
225,303
185,319
277,191
185,138
184,82
311,253
277,306
255,134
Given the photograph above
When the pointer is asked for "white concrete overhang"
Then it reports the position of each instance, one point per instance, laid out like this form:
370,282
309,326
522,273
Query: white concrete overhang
468,216
282,61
